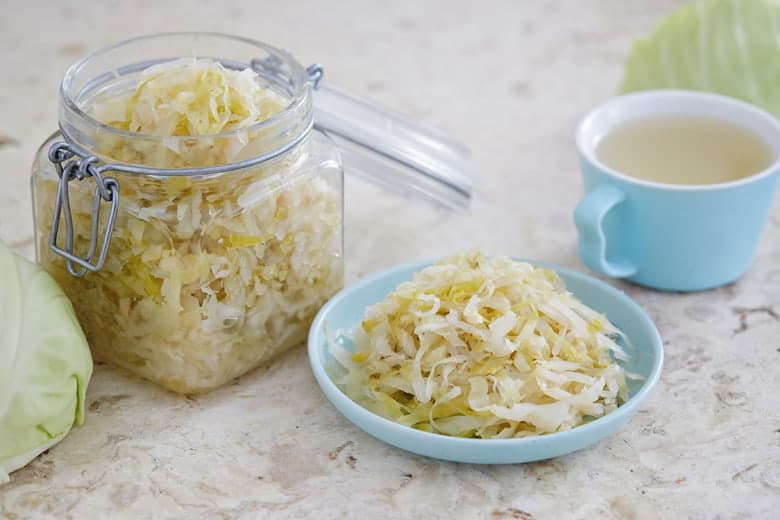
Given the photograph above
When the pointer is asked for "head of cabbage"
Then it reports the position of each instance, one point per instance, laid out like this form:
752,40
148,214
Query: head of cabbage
45,363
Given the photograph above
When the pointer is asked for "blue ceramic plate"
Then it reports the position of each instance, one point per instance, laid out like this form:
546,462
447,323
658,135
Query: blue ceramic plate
345,310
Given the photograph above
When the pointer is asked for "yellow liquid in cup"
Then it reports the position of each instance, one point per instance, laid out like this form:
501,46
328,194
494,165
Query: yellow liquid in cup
684,150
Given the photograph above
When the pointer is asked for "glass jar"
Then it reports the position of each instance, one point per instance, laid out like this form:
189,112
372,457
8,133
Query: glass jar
191,260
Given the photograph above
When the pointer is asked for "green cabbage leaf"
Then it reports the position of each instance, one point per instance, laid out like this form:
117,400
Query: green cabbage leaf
45,363
730,47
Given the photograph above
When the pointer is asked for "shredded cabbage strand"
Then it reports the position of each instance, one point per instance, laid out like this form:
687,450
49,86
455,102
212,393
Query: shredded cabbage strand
484,347
189,97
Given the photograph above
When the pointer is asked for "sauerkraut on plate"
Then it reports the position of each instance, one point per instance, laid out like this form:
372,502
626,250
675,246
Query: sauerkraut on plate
206,277
484,348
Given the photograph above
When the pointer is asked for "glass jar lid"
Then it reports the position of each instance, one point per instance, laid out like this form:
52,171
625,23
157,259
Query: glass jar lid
392,150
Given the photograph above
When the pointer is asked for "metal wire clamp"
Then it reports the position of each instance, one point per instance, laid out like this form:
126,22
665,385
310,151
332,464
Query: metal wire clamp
72,166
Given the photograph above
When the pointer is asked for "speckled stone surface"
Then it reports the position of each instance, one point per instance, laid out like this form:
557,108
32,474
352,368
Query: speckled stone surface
511,79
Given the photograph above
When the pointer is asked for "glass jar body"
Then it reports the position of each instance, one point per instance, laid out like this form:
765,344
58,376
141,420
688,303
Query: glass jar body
206,277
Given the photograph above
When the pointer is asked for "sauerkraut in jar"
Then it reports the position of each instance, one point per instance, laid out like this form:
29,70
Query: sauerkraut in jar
190,209
206,275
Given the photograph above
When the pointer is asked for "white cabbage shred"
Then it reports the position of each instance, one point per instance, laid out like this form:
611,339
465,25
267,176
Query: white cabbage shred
486,348
206,278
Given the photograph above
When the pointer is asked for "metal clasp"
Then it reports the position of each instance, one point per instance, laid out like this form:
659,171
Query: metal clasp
272,66
70,165
315,72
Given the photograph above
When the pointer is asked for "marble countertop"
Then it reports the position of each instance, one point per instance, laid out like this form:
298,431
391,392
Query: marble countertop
510,79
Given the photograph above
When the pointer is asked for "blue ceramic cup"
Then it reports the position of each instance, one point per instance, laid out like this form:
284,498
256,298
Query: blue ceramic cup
669,236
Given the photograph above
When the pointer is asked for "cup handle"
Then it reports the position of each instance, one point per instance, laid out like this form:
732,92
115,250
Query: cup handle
589,218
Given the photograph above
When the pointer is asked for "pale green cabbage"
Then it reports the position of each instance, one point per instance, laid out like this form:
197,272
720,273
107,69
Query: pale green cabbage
730,47
487,348
45,363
